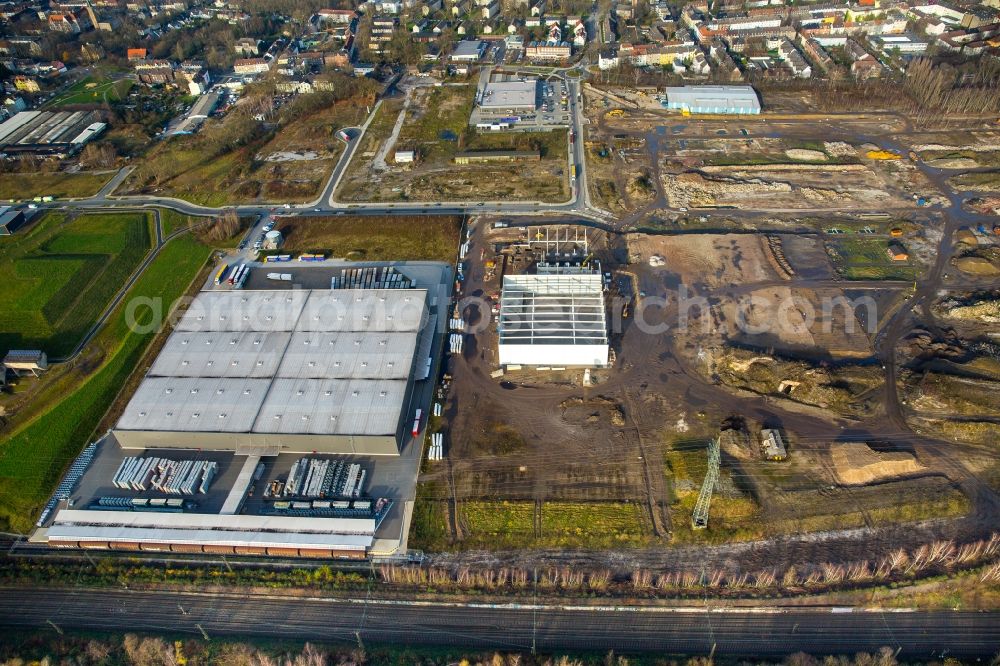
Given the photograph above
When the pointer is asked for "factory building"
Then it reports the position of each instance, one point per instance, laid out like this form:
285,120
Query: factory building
509,97
325,371
279,422
729,100
553,320
49,133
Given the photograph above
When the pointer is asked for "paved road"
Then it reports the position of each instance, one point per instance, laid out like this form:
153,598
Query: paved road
761,632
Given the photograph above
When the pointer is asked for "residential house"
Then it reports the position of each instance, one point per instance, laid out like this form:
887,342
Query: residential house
548,51
248,47
245,66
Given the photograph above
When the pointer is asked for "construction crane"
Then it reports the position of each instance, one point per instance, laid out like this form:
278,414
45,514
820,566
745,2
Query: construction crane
699,519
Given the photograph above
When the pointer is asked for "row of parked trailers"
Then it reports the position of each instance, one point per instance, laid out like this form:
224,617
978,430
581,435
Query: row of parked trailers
377,509
372,277
170,505
174,477
210,549
316,477
239,276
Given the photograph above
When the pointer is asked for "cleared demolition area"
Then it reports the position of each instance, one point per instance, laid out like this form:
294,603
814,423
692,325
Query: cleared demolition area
283,422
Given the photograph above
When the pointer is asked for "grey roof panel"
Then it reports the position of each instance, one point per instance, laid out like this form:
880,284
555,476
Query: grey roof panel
243,311
332,407
221,354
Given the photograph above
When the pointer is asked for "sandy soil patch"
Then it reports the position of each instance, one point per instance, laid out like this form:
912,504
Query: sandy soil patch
806,155
857,464
713,260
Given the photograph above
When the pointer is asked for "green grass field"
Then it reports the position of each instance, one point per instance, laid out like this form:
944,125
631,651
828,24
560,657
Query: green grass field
26,186
511,525
89,91
866,259
34,454
393,237
60,275
447,110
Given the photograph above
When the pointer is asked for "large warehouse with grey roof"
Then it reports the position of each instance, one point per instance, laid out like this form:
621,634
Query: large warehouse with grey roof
296,371
278,420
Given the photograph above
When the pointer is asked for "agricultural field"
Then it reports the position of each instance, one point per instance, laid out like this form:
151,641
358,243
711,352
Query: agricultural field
92,91
239,160
364,238
433,122
62,185
61,272
35,451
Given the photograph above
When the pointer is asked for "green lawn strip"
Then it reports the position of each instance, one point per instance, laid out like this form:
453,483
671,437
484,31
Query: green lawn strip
594,524
33,456
62,185
89,91
429,523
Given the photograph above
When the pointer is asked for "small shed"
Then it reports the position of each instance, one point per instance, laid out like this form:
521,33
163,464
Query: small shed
772,445
11,221
26,360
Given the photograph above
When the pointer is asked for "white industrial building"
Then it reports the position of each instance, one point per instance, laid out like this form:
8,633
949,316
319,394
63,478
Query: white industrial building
469,50
287,371
731,100
509,97
553,320
209,533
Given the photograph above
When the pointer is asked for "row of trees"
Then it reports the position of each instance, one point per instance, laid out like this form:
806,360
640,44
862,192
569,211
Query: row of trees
136,650
900,564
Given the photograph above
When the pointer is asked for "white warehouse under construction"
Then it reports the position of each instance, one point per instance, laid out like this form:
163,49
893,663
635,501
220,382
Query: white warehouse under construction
554,320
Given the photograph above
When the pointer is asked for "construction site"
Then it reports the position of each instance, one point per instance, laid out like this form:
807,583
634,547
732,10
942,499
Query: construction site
706,428
642,160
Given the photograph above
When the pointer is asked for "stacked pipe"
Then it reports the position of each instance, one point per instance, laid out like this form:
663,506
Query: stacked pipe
455,343
437,447
457,324
176,477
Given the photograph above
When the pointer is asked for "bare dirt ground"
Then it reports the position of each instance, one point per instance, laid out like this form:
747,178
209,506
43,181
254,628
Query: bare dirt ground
638,434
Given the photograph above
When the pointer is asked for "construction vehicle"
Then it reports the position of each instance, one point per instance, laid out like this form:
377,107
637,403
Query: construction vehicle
882,155
913,156
616,113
